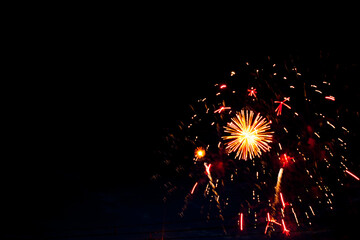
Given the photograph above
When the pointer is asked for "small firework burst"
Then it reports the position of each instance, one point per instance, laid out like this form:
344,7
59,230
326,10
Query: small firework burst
199,152
249,136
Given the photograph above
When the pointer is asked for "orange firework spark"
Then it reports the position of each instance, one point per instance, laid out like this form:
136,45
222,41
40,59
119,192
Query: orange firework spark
249,136
199,152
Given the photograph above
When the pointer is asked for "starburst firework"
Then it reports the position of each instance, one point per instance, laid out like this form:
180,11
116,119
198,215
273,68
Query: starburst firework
249,136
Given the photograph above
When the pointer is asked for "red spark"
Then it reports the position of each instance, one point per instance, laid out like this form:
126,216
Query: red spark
241,222
223,86
193,189
278,110
332,98
252,92
207,169
284,159
282,201
269,220
221,109
353,175
285,230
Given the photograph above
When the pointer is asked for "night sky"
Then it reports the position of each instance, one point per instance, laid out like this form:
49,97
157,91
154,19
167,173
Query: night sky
90,120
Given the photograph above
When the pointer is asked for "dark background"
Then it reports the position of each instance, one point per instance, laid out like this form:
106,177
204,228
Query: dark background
88,116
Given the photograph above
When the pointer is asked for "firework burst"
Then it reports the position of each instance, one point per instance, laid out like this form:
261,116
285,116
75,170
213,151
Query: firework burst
288,188
248,136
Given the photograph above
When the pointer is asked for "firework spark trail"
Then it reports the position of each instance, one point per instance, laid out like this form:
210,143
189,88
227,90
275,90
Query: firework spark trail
208,174
193,189
278,110
270,221
249,136
295,216
221,109
241,221
282,201
278,195
285,230
278,187
353,175
331,98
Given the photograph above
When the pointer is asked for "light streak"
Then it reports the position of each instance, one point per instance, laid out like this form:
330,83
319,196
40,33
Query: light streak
278,110
285,230
193,189
221,109
330,124
249,136
312,211
207,170
277,187
282,201
269,220
223,86
296,219
351,174
331,98
241,222
208,174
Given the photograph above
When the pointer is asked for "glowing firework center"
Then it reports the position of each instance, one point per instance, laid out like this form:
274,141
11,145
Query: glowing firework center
249,136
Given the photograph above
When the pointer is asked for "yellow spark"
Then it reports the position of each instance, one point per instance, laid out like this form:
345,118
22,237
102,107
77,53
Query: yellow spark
249,136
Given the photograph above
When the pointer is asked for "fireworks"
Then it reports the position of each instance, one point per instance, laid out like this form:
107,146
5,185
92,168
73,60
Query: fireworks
252,92
221,109
241,221
199,152
290,153
353,175
278,110
248,136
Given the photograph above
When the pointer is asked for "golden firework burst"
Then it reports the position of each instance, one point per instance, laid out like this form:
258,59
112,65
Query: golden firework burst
249,136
